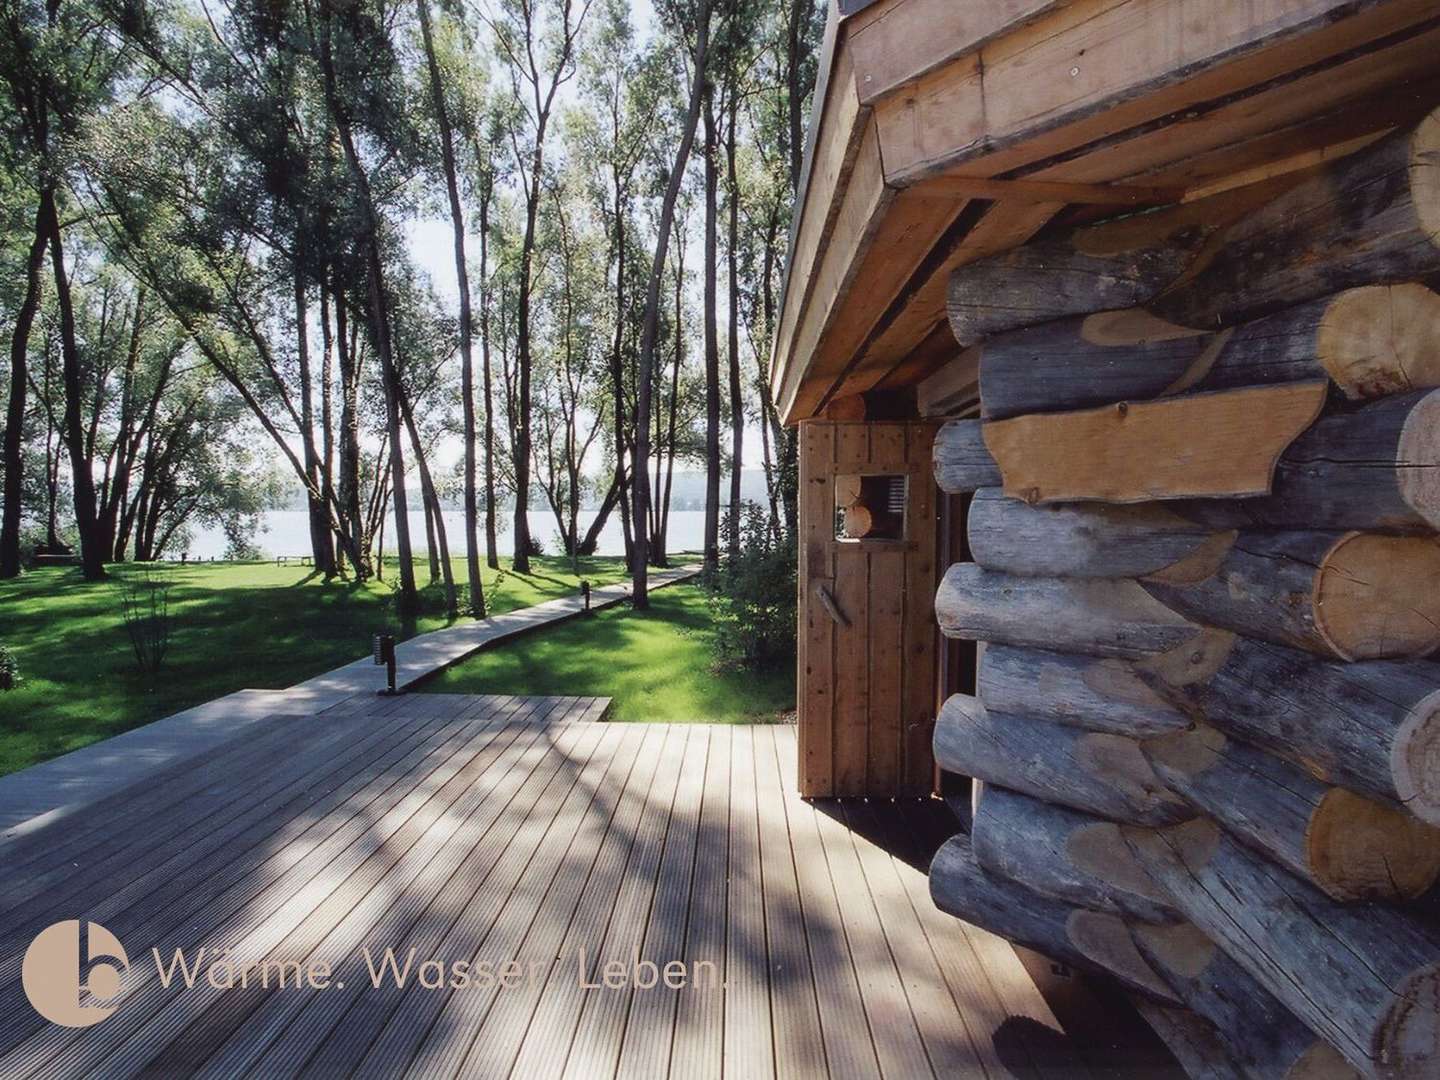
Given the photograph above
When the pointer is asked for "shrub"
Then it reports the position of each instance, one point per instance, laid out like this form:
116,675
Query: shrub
145,611
753,594
9,669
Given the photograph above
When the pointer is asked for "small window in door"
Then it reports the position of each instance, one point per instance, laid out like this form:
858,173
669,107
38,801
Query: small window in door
870,507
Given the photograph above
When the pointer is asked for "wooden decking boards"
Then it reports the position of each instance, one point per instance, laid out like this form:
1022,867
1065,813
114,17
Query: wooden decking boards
493,829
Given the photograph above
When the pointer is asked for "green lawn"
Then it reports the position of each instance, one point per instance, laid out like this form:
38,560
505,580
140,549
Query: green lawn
236,626
656,664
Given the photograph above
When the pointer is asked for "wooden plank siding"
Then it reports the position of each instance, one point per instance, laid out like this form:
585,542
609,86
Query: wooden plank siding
1178,94
866,690
503,829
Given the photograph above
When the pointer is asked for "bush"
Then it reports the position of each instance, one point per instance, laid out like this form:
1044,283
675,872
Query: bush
145,611
753,594
9,669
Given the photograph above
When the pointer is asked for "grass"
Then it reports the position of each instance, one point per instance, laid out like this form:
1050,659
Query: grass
656,664
236,626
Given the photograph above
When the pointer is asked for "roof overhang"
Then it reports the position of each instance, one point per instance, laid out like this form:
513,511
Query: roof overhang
944,131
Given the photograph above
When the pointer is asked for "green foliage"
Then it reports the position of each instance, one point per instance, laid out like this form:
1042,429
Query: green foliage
657,665
753,594
237,626
144,598
9,669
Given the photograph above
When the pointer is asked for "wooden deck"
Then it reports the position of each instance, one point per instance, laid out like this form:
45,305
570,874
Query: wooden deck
488,829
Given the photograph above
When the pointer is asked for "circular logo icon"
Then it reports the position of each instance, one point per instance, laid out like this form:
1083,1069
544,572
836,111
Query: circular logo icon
51,973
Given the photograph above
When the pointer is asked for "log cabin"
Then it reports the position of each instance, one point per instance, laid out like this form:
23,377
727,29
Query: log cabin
1112,335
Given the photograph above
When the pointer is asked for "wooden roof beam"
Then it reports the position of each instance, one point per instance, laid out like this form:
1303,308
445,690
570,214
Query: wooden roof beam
1048,191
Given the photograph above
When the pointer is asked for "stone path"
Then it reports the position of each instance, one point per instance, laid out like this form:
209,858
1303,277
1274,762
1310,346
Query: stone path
44,793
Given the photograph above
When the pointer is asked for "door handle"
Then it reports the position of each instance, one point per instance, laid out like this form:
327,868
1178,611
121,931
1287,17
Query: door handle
827,601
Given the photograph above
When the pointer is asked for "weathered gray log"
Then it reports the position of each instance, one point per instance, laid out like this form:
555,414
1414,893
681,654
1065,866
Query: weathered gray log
1064,854
1119,264
1088,940
1348,846
1192,1040
1372,727
1097,617
1365,978
1105,695
1048,279
1370,218
1104,775
1376,468
1370,341
1263,1037
1353,596
1366,219
1091,540
962,461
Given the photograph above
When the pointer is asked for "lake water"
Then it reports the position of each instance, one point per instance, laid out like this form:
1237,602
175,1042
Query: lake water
287,532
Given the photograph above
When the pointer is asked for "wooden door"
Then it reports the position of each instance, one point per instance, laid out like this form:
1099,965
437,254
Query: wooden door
867,649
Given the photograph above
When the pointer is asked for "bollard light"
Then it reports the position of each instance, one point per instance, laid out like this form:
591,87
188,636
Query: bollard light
585,592
385,654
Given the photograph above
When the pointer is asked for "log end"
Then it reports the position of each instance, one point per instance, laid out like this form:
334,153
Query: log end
1425,174
1381,339
1379,596
1408,1036
1415,759
1417,458
1360,849
1321,1062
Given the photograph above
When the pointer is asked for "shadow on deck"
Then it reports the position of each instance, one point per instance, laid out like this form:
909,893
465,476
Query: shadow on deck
488,831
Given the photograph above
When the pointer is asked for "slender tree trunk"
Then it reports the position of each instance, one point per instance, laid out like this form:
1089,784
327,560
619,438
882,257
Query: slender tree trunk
640,593
14,459
322,554
327,425
435,523
671,446
379,324
712,342
350,435
82,480
492,557
737,403
617,378
467,367
523,359
591,540
795,49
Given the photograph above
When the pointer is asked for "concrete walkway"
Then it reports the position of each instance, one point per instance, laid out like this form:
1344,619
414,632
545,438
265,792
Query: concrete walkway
426,654
34,797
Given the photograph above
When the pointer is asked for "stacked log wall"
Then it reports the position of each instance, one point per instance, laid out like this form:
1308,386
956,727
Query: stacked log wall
1207,720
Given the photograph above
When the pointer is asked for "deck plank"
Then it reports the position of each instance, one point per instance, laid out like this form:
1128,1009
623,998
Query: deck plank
650,1020
595,1050
270,914
562,935
493,829
749,1048
196,900
385,916
191,1025
849,1046
697,1048
940,1022
799,1046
